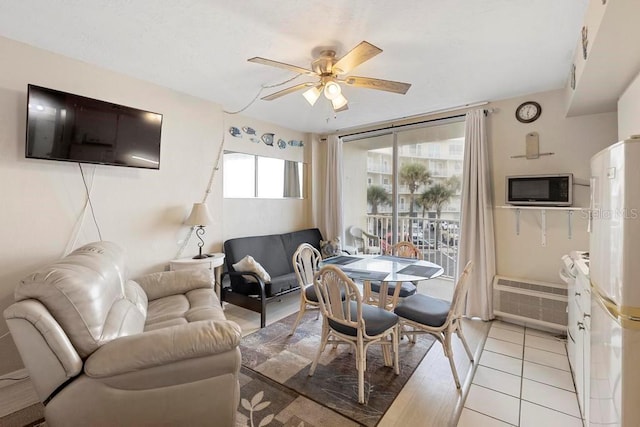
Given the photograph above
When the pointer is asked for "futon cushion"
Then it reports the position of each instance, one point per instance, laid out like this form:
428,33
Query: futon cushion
407,288
376,320
269,251
424,309
278,284
292,240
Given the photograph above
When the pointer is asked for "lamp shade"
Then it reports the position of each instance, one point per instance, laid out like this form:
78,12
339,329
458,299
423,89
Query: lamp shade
312,95
199,215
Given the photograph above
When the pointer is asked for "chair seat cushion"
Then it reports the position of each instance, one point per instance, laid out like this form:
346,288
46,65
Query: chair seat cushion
424,309
407,288
310,293
376,320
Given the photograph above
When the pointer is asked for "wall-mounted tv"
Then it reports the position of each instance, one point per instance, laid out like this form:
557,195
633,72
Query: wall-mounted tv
68,127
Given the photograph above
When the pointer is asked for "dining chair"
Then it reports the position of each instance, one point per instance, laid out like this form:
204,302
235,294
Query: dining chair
305,264
366,243
422,314
348,320
403,250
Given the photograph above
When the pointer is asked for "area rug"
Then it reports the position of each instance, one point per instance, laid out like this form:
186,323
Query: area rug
272,354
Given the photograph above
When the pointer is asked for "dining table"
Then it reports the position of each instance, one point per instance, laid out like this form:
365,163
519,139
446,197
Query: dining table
384,269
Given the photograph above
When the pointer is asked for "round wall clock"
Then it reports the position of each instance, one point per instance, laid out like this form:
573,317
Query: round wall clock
528,112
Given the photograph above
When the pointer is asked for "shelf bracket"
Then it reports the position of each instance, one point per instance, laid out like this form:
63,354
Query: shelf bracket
569,224
517,222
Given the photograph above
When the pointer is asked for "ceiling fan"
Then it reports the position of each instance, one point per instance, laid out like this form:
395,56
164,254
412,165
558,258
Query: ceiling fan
330,71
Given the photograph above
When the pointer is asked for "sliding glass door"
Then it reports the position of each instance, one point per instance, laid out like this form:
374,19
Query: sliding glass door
404,184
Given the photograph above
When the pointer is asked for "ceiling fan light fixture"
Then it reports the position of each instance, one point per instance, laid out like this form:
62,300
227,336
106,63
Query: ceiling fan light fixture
332,90
312,95
339,102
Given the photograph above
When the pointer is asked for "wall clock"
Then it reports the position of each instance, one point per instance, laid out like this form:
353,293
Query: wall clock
528,112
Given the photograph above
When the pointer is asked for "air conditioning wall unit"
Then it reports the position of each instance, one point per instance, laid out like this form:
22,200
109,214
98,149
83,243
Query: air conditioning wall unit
531,302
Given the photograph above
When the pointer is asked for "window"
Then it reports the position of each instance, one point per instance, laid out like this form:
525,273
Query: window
249,176
428,170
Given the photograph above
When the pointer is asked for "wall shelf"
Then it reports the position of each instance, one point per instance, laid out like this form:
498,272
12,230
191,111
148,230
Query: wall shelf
543,218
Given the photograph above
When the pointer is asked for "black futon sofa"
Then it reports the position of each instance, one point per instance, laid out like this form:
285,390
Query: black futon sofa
274,252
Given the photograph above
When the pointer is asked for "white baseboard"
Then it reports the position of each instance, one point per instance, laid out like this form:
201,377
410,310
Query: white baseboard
20,373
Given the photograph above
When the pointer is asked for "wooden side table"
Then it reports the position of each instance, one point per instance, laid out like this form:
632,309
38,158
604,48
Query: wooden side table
213,263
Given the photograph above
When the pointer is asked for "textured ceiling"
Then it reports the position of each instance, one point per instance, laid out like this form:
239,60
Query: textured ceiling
453,52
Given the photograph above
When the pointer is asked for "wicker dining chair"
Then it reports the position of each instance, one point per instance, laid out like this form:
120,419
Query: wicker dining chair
348,320
305,264
403,250
422,314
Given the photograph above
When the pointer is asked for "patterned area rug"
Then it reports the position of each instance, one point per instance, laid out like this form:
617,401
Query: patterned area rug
276,390
271,354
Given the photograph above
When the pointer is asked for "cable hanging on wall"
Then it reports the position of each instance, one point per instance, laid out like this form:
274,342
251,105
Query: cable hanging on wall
216,164
80,221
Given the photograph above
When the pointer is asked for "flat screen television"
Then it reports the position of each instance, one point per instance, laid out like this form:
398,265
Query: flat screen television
68,127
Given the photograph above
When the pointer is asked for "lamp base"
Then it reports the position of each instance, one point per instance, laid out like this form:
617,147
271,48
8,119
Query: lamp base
201,256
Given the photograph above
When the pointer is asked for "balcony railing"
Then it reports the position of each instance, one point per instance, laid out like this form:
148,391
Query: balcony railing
437,239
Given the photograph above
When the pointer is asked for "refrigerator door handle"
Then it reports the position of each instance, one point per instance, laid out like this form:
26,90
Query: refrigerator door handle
592,195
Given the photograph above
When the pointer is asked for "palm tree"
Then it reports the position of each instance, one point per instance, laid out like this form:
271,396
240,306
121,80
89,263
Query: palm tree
413,175
437,196
377,195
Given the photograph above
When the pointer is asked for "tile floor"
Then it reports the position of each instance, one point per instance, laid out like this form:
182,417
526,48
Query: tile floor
522,379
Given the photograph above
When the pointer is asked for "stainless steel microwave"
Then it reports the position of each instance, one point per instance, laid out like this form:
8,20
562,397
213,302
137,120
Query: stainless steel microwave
540,190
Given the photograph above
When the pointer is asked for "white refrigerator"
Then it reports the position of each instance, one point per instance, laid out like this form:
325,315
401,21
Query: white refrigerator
614,369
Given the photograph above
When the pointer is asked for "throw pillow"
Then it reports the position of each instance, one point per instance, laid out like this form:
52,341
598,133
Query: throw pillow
329,248
249,264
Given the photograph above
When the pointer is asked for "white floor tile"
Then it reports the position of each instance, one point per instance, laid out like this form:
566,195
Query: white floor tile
550,397
501,362
546,358
498,381
494,404
532,415
516,337
548,375
506,325
548,344
504,347
469,418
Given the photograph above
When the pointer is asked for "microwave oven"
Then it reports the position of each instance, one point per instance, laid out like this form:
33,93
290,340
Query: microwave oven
540,190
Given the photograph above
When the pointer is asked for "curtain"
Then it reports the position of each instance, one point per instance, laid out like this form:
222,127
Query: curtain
291,179
476,228
331,207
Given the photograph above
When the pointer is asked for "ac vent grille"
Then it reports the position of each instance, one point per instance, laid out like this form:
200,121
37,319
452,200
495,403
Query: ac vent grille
533,302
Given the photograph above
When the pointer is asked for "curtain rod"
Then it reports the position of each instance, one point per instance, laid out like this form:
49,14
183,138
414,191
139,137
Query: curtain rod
390,127
402,126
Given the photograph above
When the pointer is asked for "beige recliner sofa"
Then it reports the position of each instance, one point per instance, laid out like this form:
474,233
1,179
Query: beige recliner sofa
104,350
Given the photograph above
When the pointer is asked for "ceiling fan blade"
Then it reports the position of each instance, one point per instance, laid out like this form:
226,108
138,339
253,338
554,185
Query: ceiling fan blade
356,56
277,64
288,91
379,84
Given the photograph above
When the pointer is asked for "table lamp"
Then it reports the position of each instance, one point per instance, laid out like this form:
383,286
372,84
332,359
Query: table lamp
199,218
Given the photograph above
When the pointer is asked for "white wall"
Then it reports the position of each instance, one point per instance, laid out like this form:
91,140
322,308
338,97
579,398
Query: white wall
142,210
629,111
250,217
573,141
